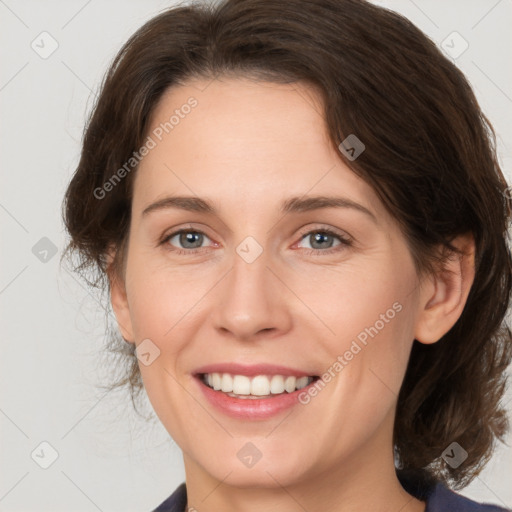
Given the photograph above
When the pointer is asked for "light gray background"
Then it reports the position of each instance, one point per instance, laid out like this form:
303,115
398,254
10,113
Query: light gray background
52,327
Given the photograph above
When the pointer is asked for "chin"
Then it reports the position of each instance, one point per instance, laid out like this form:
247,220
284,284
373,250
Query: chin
271,470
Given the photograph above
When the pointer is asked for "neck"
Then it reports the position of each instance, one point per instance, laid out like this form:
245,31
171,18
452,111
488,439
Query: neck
365,480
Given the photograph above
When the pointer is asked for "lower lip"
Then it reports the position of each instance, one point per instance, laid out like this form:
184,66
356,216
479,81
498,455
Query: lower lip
251,408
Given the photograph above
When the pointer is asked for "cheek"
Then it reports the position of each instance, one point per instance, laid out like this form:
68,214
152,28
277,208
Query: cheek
367,357
371,318
161,305
356,295
161,299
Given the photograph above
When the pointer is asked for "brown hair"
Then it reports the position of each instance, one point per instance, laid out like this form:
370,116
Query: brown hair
430,156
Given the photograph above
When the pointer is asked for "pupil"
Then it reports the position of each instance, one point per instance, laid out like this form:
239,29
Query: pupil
320,237
189,238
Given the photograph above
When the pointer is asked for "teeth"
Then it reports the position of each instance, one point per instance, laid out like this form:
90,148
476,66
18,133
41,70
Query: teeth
241,385
260,385
277,384
226,382
302,382
216,381
289,384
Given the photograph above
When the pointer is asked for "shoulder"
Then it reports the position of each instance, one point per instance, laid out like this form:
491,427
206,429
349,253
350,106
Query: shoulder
442,499
438,497
176,502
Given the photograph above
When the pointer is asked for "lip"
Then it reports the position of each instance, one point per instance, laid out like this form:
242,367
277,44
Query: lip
252,370
249,408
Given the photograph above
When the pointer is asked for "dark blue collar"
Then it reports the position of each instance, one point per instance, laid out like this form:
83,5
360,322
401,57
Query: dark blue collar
440,498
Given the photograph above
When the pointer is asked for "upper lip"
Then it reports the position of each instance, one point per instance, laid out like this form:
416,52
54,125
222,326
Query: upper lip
252,370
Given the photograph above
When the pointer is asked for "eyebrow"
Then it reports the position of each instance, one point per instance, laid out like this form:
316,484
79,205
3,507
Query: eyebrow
291,205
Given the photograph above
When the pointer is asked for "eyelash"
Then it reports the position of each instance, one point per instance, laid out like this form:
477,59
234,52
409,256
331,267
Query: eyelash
344,242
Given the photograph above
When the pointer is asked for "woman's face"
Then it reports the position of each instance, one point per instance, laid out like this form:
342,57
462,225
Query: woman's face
259,283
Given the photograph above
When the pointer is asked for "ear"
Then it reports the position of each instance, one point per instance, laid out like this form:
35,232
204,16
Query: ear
443,298
119,300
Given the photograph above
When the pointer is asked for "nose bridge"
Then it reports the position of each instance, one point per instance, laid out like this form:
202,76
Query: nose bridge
248,302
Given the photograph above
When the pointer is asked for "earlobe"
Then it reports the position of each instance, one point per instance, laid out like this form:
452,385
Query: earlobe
119,300
443,298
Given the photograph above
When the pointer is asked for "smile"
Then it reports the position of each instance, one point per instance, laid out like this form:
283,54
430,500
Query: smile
243,386
254,392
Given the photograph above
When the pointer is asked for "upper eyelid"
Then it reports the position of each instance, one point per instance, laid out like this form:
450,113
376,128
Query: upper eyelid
330,230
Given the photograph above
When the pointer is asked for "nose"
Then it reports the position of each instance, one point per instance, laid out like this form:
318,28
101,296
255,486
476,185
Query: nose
251,302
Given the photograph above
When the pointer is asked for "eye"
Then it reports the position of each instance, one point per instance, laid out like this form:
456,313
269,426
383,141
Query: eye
187,241
324,241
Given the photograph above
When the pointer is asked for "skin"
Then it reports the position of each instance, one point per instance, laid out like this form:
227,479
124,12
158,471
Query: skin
247,147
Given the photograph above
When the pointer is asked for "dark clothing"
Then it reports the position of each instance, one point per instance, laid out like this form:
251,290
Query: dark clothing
437,497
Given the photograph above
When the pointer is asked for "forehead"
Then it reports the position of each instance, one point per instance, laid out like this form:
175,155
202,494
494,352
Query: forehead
240,118
244,138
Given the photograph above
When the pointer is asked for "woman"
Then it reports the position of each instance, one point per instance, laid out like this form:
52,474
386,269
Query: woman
300,218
